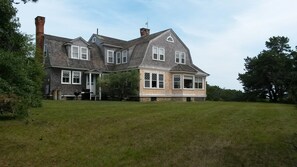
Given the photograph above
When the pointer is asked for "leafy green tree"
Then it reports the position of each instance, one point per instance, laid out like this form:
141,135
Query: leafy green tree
215,93
120,85
20,74
267,75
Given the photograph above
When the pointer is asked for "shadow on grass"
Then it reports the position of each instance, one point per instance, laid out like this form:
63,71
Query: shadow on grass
7,117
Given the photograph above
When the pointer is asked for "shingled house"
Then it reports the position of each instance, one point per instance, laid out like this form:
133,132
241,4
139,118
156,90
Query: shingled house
164,63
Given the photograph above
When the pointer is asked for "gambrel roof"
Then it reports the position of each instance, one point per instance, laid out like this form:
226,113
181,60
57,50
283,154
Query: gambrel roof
57,55
137,49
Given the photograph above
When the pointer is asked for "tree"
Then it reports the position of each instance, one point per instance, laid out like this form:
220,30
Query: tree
215,93
120,84
20,74
267,75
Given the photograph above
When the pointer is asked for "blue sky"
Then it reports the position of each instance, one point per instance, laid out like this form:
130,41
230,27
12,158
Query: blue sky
219,33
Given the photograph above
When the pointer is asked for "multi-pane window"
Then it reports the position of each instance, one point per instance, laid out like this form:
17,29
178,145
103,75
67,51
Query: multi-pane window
188,81
161,54
79,52
180,57
153,80
147,80
110,57
74,52
118,58
76,77
158,53
65,77
161,80
176,81
84,53
124,56
198,82
155,53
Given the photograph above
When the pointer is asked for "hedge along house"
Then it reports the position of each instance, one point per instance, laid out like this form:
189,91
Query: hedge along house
164,63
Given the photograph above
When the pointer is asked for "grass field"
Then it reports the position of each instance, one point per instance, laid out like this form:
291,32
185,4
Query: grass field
83,133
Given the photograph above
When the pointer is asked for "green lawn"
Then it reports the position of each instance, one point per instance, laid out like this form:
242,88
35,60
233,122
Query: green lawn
83,133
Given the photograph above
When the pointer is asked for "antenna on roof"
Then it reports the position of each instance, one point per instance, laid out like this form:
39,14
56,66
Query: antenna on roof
97,31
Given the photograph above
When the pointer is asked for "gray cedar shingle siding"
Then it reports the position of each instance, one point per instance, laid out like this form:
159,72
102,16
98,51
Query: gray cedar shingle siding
139,56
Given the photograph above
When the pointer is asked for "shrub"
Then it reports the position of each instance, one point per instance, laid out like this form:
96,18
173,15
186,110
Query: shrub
12,107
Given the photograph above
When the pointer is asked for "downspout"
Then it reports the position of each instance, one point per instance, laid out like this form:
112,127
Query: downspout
90,80
100,77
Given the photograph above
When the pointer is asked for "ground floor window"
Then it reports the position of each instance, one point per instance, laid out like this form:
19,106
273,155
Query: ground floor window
76,77
70,77
153,80
198,82
65,77
176,81
188,81
184,81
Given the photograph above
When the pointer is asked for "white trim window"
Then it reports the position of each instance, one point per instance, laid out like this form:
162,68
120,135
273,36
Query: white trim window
65,77
180,57
154,80
161,54
199,82
74,52
177,81
84,53
110,56
188,81
124,56
118,58
158,53
76,77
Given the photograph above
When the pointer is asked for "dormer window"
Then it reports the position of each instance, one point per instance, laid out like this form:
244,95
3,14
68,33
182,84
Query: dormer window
74,52
124,56
180,57
118,58
110,56
79,52
158,53
84,53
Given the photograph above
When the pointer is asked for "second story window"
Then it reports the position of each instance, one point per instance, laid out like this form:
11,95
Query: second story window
74,52
110,56
158,53
84,53
81,53
118,58
124,56
180,57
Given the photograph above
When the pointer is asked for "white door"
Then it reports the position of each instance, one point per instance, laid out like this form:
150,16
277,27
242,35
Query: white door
93,84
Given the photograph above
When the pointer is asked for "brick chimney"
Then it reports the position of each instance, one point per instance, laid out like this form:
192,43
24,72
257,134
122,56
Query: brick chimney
144,32
39,23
